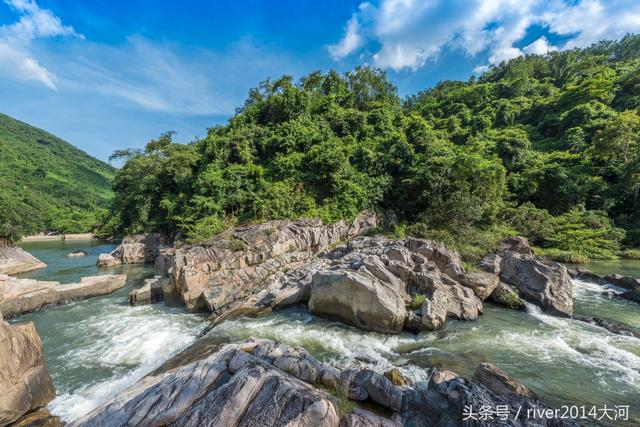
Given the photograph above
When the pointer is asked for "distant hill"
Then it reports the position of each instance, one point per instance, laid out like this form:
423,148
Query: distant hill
47,184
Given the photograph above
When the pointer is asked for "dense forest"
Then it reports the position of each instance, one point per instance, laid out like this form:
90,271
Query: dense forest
545,146
46,184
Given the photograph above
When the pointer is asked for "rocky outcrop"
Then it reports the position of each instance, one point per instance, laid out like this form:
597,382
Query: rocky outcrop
481,282
15,260
135,249
372,283
25,384
39,418
19,296
244,260
546,284
499,382
517,244
261,382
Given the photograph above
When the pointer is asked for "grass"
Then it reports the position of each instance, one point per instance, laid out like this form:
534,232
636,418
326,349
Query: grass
630,254
416,301
343,404
563,256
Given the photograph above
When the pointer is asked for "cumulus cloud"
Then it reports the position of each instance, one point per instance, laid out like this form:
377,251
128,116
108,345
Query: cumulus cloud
16,59
408,33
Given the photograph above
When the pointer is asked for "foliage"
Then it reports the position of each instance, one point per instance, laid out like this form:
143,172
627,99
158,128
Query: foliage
544,146
416,301
46,184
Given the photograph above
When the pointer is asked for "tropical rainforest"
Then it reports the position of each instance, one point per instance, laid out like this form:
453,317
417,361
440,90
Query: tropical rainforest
46,184
546,146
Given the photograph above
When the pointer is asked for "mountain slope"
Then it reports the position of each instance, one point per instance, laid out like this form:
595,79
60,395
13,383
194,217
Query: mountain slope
47,183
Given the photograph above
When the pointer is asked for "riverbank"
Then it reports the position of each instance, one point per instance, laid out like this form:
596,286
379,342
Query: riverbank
52,237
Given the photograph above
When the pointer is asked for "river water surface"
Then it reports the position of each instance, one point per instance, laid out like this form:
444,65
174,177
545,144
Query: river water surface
98,347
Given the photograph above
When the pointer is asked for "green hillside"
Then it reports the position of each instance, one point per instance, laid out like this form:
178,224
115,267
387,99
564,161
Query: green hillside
47,184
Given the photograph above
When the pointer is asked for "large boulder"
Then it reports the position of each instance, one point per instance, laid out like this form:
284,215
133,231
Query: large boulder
546,284
25,384
481,282
360,299
507,296
15,260
515,244
135,249
19,296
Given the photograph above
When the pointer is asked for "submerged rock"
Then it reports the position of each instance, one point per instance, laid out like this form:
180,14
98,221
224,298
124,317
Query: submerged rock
610,325
19,296
135,249
25,384
15,260
546,284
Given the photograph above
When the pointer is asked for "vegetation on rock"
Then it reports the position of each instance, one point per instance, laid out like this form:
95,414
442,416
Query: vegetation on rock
543,146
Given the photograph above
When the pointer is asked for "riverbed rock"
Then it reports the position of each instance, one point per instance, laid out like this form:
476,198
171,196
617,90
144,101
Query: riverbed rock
212,276
625,282
359,298
515,244
15,260
362,418
79,253
610,325
38,418
633,295
481,282
19,296
135,249
25,384
499,382
507,296
544,283
150,292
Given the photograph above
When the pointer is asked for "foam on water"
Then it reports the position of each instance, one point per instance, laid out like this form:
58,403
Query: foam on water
128,343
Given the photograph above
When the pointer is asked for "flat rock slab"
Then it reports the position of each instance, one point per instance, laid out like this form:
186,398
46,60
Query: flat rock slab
19,296
15,260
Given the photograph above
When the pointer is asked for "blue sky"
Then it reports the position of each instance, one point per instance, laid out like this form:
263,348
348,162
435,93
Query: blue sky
111,75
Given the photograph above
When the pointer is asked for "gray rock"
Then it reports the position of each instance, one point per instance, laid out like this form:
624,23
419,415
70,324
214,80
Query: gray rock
507,296
499,382
363,418
610,325
79,253
150,292
633,295
546,284
25,384
19,296
135,249
515,244
490,263
481,282
15,260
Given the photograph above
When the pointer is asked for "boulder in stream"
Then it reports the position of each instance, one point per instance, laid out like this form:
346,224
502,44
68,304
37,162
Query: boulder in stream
25,384
19,296
135,249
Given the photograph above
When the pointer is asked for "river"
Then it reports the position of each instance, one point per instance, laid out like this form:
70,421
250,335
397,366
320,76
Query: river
98,347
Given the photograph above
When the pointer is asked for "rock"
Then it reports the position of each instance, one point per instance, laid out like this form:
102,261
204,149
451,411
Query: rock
496,380
396,378
610,325
626,282
505,295
228,269
15,260
447,260
79,253
481,282
38,418
448,300
150,292
586,275
365,384
135,249
515,244
19,296
633,295
363,418
358,298
441,376
546,284
25,384
237,385
490,263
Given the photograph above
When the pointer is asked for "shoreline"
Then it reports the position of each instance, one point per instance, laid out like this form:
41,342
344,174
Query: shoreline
45,237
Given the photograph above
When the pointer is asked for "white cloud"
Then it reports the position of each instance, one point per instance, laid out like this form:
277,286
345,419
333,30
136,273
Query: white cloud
408,33
539,47
16,59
